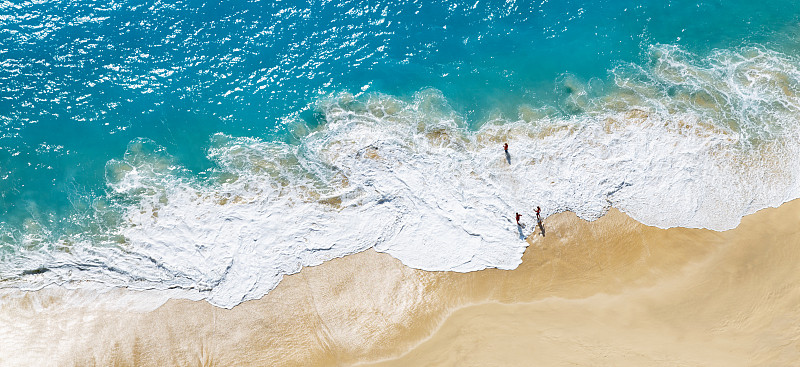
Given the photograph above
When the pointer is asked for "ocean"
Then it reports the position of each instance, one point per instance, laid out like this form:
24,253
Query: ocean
210,148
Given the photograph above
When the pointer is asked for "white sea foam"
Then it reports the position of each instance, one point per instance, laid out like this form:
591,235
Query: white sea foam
683,142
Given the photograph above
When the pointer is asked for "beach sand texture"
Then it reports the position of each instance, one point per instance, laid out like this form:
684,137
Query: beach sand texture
608,292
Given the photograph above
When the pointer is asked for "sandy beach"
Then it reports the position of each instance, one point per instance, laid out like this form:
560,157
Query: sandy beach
608,292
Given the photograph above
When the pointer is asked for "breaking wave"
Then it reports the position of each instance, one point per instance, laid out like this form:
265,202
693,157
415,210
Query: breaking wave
681,140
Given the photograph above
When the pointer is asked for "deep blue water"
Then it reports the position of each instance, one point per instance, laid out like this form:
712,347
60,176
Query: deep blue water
80,79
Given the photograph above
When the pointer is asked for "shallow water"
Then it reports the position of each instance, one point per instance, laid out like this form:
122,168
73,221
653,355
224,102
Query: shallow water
215,148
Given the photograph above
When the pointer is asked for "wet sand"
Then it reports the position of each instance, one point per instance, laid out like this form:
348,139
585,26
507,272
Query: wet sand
608,292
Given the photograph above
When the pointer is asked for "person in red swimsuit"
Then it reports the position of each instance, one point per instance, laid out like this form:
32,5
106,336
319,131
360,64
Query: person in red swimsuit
538,209
518,216
505,146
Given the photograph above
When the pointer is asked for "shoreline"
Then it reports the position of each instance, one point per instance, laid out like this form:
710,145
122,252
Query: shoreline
733,307
369,307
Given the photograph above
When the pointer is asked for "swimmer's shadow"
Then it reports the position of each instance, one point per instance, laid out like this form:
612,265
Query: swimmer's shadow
508,157
522,225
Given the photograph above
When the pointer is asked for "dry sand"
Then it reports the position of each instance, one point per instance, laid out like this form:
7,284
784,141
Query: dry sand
609,292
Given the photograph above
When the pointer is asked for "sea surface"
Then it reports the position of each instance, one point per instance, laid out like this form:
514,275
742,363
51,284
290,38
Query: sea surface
212,147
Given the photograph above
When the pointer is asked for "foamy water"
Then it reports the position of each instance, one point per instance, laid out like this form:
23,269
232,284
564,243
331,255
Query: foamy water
685,140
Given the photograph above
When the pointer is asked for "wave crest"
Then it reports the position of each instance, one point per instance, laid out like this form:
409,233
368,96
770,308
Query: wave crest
681,141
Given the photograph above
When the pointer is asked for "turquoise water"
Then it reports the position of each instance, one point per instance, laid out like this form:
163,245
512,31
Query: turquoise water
94,88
